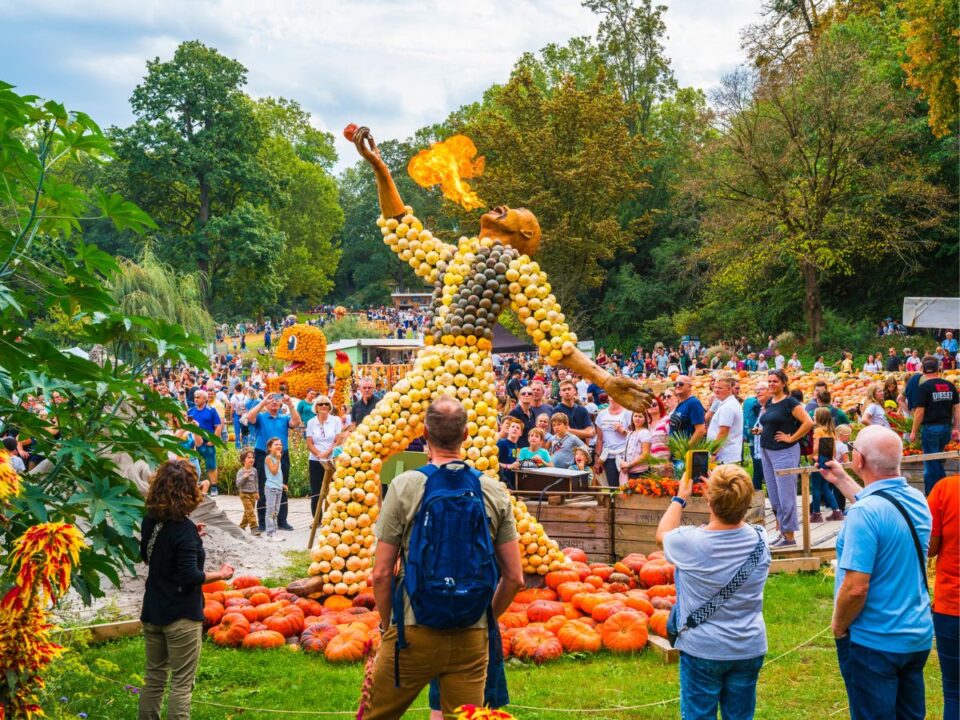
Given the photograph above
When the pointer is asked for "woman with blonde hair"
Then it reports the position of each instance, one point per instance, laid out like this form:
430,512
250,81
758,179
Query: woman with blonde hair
873,412
172,615
721,646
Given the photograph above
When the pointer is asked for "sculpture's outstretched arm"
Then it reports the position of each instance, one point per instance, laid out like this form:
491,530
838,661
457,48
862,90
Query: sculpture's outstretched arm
402,231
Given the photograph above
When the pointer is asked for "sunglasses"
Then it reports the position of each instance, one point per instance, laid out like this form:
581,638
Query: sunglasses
525,393
679,384
323,404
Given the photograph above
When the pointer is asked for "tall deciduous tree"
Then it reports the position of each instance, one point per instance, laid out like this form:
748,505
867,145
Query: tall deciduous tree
813,173
932,34
630,41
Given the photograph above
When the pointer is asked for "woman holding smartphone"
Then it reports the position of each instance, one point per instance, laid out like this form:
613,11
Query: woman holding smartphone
784,423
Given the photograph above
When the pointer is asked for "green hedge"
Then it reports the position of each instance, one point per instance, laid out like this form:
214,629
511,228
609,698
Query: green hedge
228,461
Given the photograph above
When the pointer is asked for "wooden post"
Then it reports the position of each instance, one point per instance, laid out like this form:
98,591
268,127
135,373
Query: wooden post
328,470
805,511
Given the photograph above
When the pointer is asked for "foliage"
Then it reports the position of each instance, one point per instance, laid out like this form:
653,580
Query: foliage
812,174
228,462
351,327
932,31
150,288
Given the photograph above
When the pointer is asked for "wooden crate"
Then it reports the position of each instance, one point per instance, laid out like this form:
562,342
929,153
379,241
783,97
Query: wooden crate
636,517
580,524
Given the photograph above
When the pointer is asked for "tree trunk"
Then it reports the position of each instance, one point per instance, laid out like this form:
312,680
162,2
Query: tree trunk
812,306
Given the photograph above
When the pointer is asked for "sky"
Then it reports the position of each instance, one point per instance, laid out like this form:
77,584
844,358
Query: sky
395,66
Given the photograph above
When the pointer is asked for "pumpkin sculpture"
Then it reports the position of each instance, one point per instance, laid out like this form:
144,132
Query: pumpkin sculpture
304,347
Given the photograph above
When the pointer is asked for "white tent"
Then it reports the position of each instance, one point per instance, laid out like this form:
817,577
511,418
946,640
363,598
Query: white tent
931,312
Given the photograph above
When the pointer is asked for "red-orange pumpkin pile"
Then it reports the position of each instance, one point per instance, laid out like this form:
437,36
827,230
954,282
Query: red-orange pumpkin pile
585,607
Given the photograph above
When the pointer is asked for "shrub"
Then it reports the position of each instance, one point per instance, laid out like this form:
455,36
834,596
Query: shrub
228,461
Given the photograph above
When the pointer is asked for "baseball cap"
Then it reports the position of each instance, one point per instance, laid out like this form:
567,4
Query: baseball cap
592,408
930,365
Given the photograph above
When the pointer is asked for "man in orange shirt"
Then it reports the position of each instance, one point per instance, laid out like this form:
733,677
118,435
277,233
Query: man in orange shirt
944,502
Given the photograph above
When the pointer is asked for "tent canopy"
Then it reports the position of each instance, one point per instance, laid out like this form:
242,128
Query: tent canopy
505,341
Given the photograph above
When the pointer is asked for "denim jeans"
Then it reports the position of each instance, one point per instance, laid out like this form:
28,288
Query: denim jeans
947,630
933,439
705,684
237,431
882,685
820,489
757,473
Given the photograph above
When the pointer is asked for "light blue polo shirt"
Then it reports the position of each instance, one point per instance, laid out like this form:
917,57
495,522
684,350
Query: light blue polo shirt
874,539
267,427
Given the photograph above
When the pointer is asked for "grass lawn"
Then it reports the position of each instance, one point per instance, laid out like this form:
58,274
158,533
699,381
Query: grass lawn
804,683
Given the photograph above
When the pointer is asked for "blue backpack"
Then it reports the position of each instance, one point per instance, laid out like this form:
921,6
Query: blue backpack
450,571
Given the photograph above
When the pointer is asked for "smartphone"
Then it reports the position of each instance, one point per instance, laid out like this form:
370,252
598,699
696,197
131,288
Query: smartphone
825,451
698,464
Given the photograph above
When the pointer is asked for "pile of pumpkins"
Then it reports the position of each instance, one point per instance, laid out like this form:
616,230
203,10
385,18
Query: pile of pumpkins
583,608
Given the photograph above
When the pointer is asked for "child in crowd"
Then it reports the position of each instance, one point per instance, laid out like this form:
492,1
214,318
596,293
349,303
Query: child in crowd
843,434
581,461
273,486
819,488
15,461
507,451
536,453
543,422
564,442
636,457
247,487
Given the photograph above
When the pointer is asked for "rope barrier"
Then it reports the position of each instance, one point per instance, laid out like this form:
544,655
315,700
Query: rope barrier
534,708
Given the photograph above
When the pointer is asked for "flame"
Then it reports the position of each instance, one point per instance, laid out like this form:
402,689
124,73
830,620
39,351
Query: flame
447,163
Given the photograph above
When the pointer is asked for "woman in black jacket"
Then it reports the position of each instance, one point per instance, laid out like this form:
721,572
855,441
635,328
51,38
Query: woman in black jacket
172,612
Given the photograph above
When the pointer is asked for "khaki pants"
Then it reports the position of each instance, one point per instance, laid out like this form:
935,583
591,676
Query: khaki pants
249,501
172,650
458,659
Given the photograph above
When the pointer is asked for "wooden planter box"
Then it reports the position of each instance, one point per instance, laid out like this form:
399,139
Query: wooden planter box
637,516
607,531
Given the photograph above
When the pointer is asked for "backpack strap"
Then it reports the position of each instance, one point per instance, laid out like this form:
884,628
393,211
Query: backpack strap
913,533
396,589
703,613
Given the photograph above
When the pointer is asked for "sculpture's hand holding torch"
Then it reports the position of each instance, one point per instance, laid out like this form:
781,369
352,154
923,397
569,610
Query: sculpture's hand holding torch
390,203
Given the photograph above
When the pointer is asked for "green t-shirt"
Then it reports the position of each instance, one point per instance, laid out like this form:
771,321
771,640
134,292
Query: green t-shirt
402,502
305,410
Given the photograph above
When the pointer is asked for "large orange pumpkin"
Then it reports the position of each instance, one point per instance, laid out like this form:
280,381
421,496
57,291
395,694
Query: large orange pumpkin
309,607
251,591
655,573
236,602
601,570
576,636
249,612
259,598
537,644
586,602
658,622
569,589
543,610
231,631
264,639
529,595
267,609
316,637
212,612
215,586
514,619
506,641
345,647
574,554
288,621
555,623
662,591
245,581
338,602
625,632
636,602
556,578
605,610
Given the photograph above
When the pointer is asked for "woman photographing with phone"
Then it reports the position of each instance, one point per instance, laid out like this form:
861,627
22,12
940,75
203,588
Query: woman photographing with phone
721,646
783,423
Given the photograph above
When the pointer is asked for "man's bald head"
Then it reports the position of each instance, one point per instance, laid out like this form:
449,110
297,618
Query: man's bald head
445,424
881,450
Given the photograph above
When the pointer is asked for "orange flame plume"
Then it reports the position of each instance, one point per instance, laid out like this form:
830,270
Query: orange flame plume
447,163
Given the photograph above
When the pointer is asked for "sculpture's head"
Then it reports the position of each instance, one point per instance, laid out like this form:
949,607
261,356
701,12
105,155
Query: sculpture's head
516,227
303,346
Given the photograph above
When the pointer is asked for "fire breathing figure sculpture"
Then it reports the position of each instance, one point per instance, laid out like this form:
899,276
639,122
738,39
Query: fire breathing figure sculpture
473,283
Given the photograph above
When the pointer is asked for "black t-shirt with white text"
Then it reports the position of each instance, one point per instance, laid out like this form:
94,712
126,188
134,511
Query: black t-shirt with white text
937,398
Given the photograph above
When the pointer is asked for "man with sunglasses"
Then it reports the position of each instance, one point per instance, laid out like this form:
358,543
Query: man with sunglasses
689,418
881,618
524,413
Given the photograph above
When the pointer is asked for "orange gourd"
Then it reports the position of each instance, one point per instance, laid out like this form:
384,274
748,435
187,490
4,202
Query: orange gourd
249,612
345,647
317,636
242,582
586,602
662,591
366,600
212,613
625,632
574,554
514,619
530,595
605,610
288,621
537,644
556,578
231,631
577,636
569,589
555,623
236,602
636,602
543,610
602,570
267,609
264,640
658,622
215,586
338,602
309,607
259,598
251,591
655,573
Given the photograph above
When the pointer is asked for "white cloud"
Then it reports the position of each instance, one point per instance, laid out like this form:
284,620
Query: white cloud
395,66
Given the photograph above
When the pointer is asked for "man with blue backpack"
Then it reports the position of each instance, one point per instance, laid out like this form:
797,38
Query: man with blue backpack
454,534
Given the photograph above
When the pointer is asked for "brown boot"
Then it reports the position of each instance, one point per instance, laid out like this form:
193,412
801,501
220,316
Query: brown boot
835,515
816,517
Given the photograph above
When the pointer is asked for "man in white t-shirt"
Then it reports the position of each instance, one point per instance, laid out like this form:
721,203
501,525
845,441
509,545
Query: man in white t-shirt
727,422
582,387
779,361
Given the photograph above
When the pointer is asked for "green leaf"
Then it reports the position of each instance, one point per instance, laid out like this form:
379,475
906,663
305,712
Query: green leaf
125,214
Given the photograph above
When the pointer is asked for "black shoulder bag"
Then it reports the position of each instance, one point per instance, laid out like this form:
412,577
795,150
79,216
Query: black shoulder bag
703,613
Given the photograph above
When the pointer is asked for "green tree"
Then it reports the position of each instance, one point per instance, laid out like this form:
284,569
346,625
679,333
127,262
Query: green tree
104,409
931,32
630,41
191,156
813,175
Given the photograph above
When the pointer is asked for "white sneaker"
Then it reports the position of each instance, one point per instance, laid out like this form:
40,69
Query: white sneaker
276,539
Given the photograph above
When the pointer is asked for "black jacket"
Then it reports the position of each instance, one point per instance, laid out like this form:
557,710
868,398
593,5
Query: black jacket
175,572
